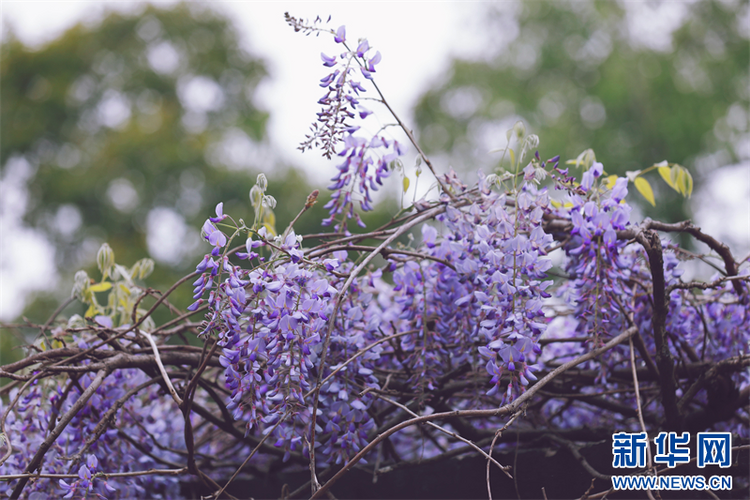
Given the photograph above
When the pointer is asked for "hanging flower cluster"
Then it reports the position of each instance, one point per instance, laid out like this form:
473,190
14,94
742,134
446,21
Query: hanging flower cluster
365,161
314,351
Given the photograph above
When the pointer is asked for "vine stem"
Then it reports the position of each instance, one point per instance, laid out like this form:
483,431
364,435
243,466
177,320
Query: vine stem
105,475
164,375
489,458
429,214
412,139
640,412
36,461
507,409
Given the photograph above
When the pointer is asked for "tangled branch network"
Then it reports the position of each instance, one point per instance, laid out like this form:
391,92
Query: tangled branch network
326,351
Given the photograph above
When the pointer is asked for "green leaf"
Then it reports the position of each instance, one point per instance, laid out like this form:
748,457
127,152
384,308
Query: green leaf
585,159
689,183
665,174
681,181
644,188
269,221
674,173
684,180
101,287
91,311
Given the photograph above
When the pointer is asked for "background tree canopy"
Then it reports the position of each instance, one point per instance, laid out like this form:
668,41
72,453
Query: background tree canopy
133,129
575,72
122,118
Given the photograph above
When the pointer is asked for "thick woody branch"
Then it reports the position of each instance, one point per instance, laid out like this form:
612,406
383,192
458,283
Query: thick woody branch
650,241
687,227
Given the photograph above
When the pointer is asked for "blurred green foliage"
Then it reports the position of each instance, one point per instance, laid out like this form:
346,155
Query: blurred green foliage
139,118
574,74
117,119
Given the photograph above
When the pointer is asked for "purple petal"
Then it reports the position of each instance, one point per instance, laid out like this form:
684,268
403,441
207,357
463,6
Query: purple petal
362,48
104,321
340,34
328,61
372,62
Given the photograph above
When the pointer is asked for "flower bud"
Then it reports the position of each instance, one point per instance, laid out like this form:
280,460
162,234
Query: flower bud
256,196
262,182
492,180
105,259
80,284
269,201
312,198
76,321
143,268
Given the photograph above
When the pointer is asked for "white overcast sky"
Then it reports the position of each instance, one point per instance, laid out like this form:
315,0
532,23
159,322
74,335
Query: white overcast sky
417,41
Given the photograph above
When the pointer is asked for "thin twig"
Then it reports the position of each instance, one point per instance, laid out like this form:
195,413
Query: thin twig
489,458
36,461
489,453
105,475
311,199
385,252
332,322
639,410
43,329
257,447
164,375
577,454
509,408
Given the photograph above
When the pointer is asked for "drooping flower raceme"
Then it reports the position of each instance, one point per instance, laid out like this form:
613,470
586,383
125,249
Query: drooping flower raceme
313,344
364,161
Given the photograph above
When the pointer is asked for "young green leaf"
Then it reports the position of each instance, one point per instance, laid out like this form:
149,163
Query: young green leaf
674,173
665,172
681,180
644,188
585,159
101,287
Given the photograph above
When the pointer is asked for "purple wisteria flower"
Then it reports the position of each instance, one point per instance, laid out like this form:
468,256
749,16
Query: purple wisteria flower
340,36
311,344
214,237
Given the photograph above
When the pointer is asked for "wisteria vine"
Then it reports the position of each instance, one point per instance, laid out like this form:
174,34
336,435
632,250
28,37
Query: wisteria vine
324,351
